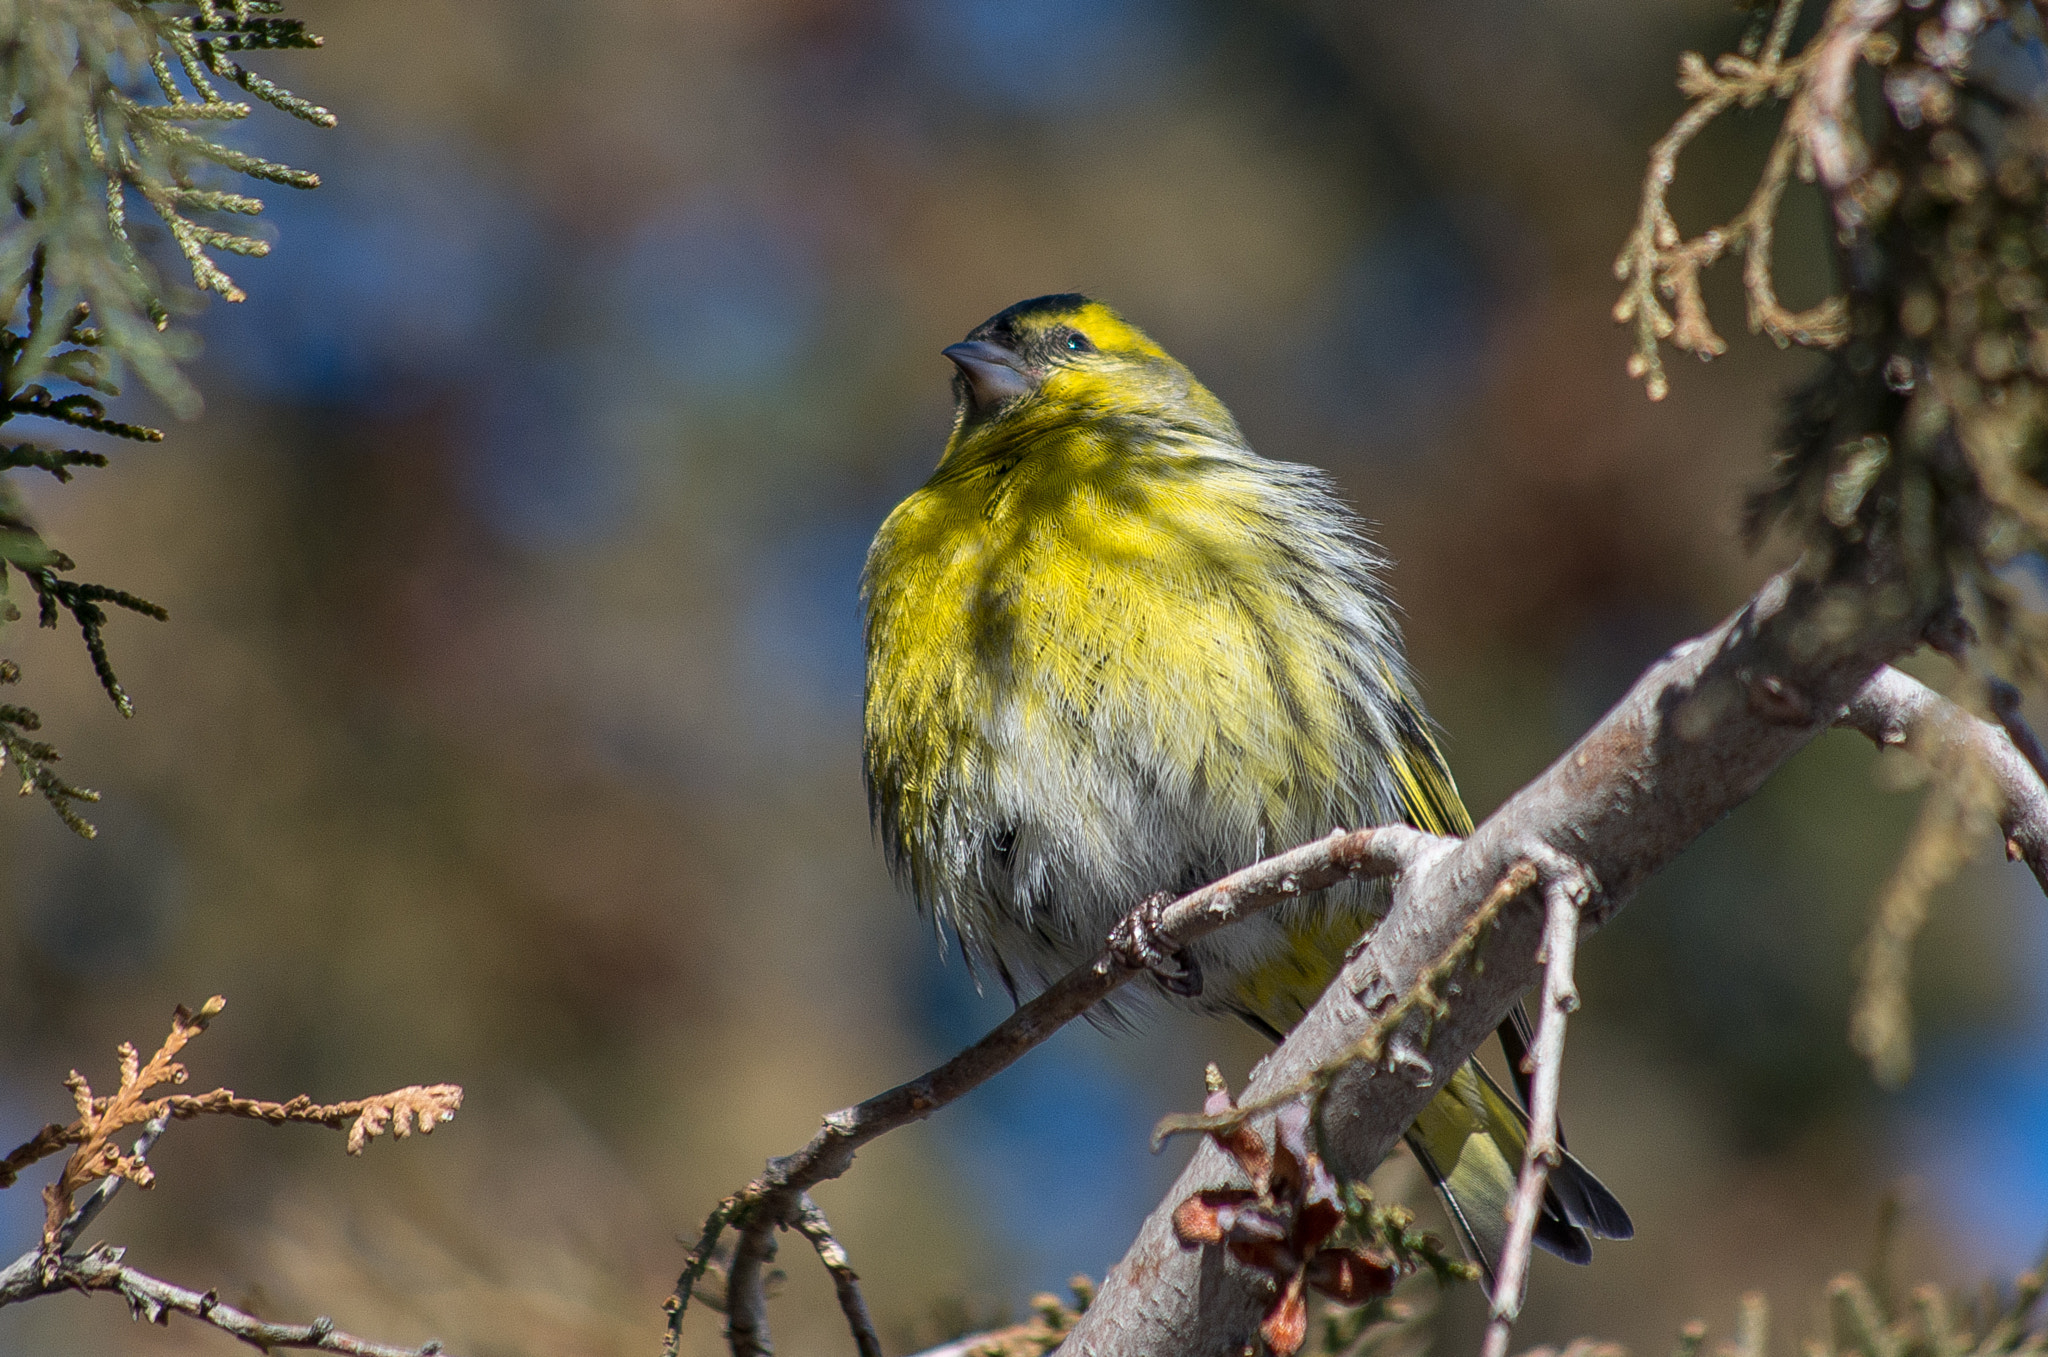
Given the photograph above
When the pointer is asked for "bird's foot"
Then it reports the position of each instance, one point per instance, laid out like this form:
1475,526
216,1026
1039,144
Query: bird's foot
1137,942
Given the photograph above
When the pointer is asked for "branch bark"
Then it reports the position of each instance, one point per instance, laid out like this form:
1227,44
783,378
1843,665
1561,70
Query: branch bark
151,1298
1695,737
1897,711
774,1200
1562,898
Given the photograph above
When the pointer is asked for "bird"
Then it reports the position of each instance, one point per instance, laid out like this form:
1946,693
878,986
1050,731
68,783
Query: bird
1113,654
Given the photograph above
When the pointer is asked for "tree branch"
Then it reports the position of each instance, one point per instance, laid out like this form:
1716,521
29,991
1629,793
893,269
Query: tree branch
102,1269
1563,898
1694,738
1895,711
98,1169
810,1222
771,1201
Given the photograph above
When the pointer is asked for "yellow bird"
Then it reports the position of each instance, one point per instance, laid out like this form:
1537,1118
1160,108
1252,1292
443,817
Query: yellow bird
1112,652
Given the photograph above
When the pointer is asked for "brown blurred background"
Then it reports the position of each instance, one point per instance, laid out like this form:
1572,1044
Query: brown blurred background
506,730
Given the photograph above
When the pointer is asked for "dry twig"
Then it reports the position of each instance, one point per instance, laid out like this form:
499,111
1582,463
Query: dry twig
1982,776
810,1223
102,1269
771,1201
100,1119
1563,896
98,1167
1897,711
1660,260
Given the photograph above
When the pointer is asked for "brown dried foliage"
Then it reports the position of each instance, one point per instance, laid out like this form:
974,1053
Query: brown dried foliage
101,1119
1660,260
1294,1223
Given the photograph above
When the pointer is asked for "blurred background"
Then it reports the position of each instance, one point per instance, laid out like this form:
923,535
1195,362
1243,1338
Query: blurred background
507,727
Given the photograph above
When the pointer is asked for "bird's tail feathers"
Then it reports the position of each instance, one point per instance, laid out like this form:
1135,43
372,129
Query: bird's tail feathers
1470,1141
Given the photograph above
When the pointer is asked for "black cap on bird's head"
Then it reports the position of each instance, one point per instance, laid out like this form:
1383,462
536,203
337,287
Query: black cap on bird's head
1066,355
1012,353
1005,356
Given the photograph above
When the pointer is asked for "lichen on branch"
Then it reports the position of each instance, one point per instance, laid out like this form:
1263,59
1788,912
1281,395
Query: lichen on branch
1914,454
1660,261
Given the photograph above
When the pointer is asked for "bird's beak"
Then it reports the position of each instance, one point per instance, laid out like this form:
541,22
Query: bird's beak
994,375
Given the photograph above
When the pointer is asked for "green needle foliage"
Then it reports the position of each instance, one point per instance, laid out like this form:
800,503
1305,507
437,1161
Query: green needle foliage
111,103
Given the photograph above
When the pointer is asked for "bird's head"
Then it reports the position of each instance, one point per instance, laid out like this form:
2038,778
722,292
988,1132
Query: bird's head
1067,358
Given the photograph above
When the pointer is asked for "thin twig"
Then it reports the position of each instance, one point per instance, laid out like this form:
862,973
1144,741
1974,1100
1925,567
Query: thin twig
810,1223
98,1169
104,1190
1894,710
746,1297
1980,773
54,1138
425,1105
1368,1049
770,1201
155,1300
2005,704
44,1271
19,1278
100,1119
1564,895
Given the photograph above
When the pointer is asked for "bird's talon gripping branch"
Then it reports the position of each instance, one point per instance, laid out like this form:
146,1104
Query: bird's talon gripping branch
1139,942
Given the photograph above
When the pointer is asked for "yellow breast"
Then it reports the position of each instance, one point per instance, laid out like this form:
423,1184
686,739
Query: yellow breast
1094,595
1102,666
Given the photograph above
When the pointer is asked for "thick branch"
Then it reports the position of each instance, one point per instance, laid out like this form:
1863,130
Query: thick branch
1695,737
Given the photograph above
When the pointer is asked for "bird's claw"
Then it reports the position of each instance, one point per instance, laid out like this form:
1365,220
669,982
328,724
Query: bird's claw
1137,942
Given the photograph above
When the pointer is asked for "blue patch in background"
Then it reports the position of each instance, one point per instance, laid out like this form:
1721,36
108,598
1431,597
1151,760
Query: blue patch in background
1048,58
1056,1146
1977,1113
400,274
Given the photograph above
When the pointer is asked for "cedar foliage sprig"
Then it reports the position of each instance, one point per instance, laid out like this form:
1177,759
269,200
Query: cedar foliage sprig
1924,435
136,1101
111,102
1922,438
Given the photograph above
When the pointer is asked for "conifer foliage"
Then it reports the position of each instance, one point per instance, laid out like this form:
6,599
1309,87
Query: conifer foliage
115,166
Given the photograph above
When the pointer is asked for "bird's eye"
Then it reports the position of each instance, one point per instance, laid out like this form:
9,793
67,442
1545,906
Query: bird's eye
1078,343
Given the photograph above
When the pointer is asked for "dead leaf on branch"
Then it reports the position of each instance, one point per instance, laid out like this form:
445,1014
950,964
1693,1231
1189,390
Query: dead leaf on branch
1287,1225
100,1119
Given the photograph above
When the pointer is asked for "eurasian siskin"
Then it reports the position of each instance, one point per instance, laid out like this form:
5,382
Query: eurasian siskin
1111,653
